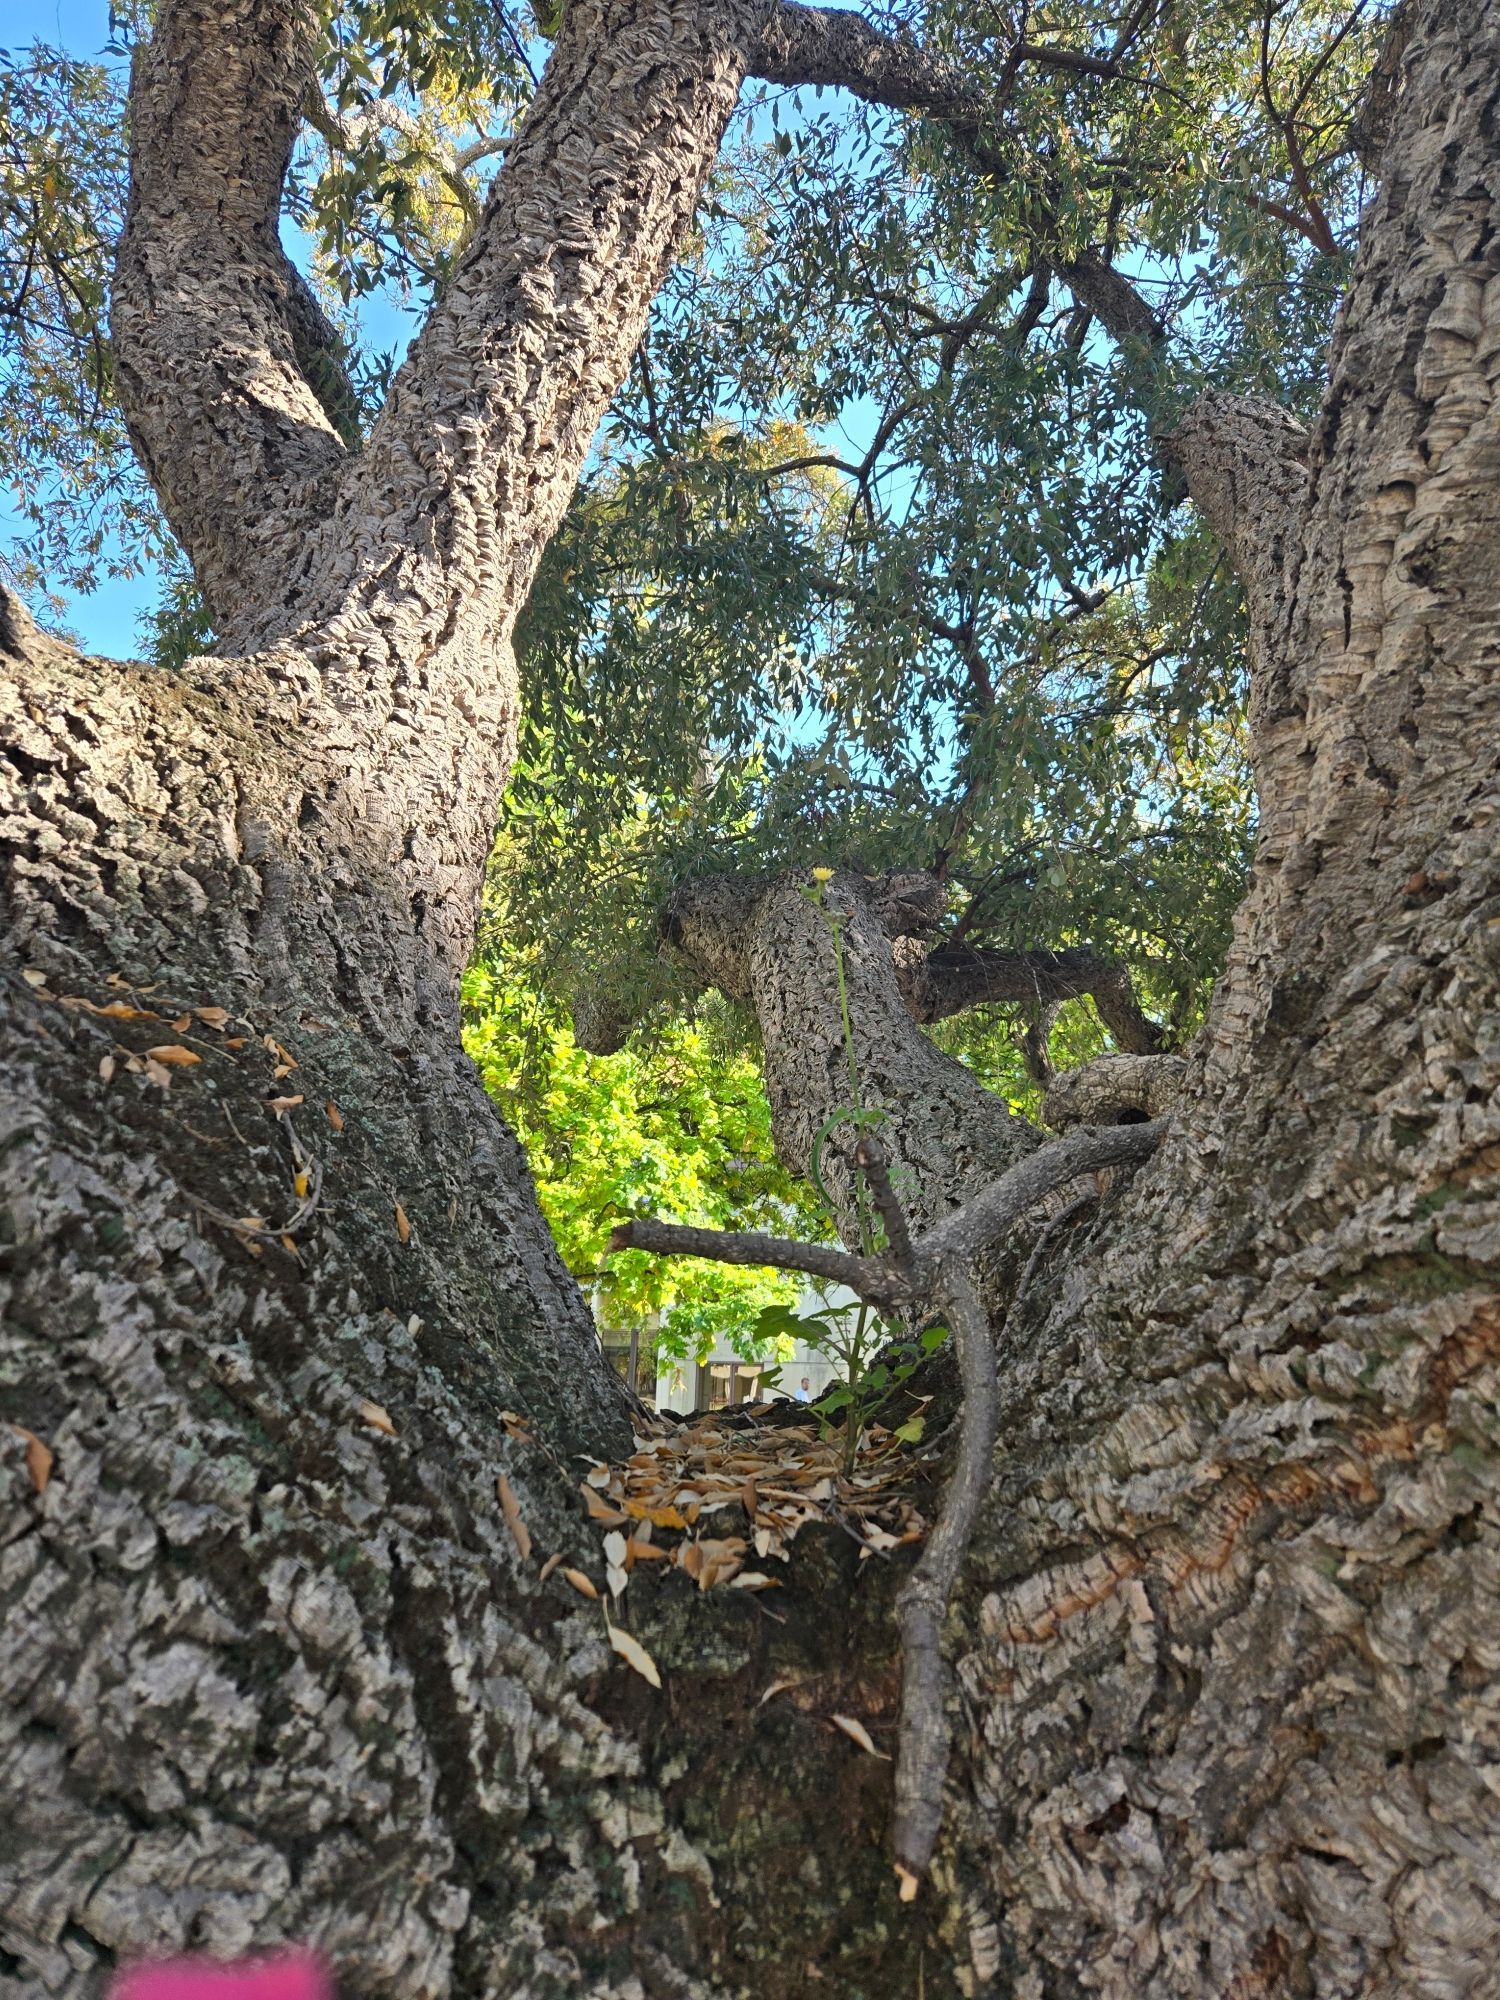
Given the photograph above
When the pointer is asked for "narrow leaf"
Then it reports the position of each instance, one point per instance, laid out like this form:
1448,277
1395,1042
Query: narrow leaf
857,1733
634,1654
510,1507
38,1457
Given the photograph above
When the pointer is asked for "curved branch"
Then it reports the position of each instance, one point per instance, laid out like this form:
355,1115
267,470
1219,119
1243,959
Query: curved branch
970,1230
216,338
954,978
936,1275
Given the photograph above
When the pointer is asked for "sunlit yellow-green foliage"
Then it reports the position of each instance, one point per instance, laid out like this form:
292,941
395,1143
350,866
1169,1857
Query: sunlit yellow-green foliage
677,1128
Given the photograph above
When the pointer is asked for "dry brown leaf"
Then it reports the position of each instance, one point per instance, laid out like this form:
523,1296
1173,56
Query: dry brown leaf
616,1578
334,1116
690,1558
181,1025
235,1041
597,1475
174,1055
212,1017
634,1654
377,1418
403,1227
614,1549
288,1244
548,1566
909,1883
584,1585
106,1067
857,1733
660,1517
280,1104
752,1579
777,1687
598,1511
33,977
38,1457
510,1507
159,1075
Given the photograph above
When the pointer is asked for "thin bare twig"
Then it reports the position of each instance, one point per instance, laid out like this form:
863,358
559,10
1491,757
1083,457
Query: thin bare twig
871,1278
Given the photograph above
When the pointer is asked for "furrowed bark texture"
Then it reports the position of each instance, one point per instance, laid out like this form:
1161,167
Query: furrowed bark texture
274,1667
1228,1643
1225,1641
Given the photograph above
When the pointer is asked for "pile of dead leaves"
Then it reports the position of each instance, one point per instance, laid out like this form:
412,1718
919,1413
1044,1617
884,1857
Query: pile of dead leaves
716,1496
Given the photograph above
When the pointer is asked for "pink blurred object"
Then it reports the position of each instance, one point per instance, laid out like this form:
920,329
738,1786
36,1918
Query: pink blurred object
283,1975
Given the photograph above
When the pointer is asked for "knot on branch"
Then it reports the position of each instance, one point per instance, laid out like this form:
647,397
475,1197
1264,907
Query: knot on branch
1114,1090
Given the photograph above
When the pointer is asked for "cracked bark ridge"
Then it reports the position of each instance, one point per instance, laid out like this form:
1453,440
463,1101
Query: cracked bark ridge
1246,1485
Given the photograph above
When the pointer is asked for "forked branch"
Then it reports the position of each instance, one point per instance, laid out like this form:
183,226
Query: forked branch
933,1274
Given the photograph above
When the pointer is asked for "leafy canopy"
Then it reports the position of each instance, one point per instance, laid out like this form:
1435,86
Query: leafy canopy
678,1128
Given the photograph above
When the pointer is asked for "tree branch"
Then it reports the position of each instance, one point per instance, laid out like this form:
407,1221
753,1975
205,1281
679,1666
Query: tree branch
1245,471
869,1277
1244,461
980,1223
215,334
438,526
826,45
966,1233
953,978
936,1274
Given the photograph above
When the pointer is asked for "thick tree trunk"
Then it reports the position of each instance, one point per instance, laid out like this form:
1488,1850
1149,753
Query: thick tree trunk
1229,1644
274,1665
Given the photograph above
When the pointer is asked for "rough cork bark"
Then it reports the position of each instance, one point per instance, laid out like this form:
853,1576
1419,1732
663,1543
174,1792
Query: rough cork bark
1225,1644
